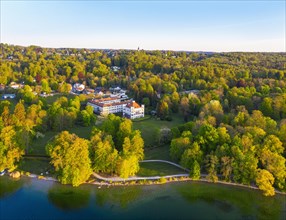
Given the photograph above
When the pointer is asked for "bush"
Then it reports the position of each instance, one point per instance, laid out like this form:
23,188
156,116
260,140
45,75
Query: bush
149,182
41,177
162,180
169,118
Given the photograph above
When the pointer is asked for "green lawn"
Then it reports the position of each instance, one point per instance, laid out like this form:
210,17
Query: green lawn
35,166
83,132
158,169
51,99
38,144
157,153
150,128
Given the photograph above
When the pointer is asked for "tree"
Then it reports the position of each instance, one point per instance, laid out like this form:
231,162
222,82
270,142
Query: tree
137,144
70,158
211,162
267,107
19,115
64,88
146,101
195,104
162,110
4,104
244,166
273,143
127,166
226,167
264,180
190,155
185,107
45,86
6,117
84,118
175,97
164,136
178,146
103,154
208,138
10,150
111,126
275,164
195,171
125,129
213,108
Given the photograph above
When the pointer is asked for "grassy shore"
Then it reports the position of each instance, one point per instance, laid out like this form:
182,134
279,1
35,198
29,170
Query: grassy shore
158,169
35,165
149,128
38,145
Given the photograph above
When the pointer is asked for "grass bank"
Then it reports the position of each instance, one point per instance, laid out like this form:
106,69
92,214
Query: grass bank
149,128
158,169
35,165
37,147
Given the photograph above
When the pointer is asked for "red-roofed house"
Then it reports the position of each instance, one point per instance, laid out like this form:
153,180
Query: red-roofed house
133,110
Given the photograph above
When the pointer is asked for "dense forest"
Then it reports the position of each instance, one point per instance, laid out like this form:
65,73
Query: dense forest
233,105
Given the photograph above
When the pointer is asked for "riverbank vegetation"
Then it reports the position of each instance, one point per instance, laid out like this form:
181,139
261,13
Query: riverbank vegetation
223,114
116,149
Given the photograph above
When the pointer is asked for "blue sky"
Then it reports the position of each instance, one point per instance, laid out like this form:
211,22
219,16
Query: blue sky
172,25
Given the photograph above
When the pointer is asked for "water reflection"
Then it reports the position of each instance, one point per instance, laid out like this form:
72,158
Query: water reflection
250,203
199,200
120,196
68,197
9,186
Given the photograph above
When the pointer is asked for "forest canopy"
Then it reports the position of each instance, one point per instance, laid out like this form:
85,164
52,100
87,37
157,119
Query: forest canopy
233,106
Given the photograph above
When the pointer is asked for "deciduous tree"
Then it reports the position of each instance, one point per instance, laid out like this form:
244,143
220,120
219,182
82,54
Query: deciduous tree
70,157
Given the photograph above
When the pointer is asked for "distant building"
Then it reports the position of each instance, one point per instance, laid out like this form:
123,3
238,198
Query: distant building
15,85
115,68
8,96
111,105
78,88
194,91
119,93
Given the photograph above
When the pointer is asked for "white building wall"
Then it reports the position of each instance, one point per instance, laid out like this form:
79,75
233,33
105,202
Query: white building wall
130,112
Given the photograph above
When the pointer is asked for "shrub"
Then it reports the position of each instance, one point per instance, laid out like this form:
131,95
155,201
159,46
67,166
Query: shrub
162,180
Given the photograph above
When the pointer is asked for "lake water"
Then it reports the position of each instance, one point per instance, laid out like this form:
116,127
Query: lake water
37,199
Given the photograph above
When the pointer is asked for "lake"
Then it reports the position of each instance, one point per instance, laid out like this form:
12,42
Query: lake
37,199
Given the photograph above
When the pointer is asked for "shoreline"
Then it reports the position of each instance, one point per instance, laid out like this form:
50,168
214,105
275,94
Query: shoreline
146,182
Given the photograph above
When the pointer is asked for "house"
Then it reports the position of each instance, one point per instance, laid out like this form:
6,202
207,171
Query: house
112,105
194,91
105,106
15,85
133,110
78,88
115,68
89,91
119,92
8,96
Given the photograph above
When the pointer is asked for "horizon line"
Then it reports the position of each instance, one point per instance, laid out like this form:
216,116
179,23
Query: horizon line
179,50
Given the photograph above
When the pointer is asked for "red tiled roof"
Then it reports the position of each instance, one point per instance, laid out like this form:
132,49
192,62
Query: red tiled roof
133,104
98,103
